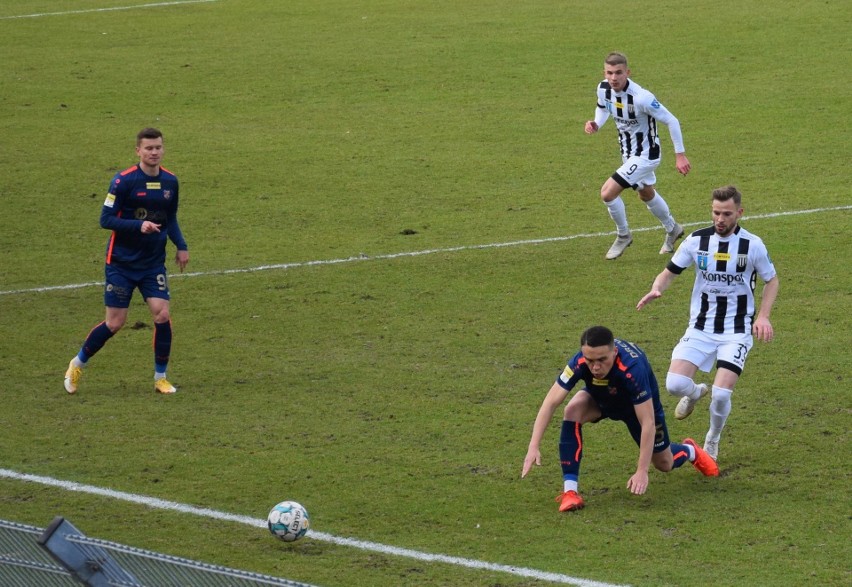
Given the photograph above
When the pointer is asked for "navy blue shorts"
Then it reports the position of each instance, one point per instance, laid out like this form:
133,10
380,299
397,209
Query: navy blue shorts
120,283
661,437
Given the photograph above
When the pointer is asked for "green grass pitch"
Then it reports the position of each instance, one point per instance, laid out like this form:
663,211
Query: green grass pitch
394,394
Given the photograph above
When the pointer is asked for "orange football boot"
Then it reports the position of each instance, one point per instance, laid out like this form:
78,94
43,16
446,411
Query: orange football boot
703,461
570,501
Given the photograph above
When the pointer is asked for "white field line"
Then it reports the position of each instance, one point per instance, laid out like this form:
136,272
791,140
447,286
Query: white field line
364,257
152,5
163,504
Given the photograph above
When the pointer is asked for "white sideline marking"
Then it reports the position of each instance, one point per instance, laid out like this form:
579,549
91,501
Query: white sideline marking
153,5
363,257
163,504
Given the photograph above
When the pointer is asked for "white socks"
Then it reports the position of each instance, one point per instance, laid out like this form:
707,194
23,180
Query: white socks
720,407
720,402
657,207
660,209
618,215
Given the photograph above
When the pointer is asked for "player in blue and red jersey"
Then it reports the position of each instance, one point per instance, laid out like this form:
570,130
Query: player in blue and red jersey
619,384
141,211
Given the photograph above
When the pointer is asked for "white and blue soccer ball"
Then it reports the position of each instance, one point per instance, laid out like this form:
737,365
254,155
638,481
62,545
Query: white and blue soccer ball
288,521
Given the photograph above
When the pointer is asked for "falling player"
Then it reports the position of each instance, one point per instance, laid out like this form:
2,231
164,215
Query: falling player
618,385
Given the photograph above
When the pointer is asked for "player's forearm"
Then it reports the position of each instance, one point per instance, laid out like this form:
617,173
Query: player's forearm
770,293
545,414
676,136
646,450
548,407
663,281
114,222
175,234
601,116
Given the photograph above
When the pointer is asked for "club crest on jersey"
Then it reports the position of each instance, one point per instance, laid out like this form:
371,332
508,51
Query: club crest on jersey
703,261
167,194
742,260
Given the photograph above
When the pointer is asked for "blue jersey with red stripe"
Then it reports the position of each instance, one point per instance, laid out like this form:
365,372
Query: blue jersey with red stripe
631,381
133,198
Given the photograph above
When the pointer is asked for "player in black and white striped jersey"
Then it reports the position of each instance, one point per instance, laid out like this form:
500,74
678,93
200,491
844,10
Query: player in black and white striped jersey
636,112
728,260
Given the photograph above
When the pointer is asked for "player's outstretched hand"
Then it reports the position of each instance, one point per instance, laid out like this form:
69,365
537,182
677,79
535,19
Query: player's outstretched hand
533,458
638,483
649,297
762,329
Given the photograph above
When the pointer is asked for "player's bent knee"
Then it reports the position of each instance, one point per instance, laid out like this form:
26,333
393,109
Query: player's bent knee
679,385
662,463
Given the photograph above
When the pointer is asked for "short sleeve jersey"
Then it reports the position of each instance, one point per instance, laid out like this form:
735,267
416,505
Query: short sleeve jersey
726,271
133,198
630,382
636,112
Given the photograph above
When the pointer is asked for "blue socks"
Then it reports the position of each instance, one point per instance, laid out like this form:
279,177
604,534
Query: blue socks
570,453
681,453
162,345
97,338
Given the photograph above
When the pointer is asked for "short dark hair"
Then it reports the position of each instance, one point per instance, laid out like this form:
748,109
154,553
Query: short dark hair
728,192
597,336
616,58
148,133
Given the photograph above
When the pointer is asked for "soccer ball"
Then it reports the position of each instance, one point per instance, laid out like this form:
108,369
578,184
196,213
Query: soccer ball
288,521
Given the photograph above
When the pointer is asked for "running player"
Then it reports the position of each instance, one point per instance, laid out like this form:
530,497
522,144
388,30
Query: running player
141,211
728,259
619,384
636,112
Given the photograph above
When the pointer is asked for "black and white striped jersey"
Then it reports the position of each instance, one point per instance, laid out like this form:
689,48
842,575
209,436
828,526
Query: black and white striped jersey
636,112
726,271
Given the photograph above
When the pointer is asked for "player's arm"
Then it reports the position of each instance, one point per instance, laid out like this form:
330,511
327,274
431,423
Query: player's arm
111,213
762,327
552,400
601,116
662,114
176,236
661,284
638,483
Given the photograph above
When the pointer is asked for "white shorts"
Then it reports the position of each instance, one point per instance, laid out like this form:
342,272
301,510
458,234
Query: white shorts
636,173
701,348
